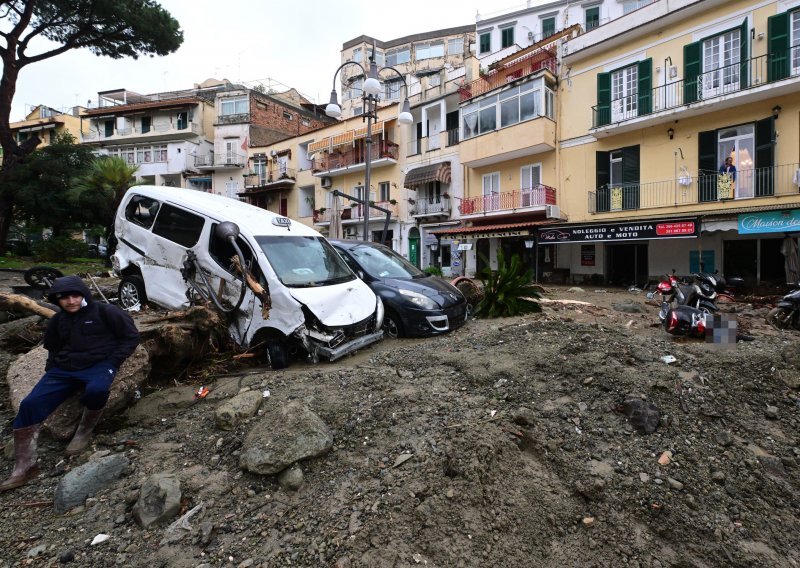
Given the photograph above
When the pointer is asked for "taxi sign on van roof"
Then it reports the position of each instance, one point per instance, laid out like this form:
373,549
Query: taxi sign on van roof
281,222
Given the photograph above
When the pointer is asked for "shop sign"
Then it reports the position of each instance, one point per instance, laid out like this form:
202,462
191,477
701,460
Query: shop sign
501,234
614,232
769,222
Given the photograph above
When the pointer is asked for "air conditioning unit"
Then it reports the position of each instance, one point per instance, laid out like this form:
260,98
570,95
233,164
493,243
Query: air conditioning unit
530,36
351,232
327,182
552,211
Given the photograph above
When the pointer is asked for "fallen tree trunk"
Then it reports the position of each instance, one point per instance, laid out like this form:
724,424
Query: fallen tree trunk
24,304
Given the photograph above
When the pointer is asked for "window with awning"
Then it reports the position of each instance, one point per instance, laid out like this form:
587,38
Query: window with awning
425,174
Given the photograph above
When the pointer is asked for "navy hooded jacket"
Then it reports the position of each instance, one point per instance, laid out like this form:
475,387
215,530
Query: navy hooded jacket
97,332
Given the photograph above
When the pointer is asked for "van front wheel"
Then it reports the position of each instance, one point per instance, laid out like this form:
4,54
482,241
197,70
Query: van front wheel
278,358
131,292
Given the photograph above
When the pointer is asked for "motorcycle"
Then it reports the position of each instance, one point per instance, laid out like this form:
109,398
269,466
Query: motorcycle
699,293
685,321
787,312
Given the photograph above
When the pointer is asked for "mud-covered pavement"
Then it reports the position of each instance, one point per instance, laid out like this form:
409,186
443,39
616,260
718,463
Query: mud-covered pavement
502,444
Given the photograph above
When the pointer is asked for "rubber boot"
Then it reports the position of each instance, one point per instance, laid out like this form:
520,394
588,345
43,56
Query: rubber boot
83,435
25,466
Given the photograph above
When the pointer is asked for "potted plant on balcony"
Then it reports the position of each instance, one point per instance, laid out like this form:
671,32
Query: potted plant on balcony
446,195
392,202
411,201
354,204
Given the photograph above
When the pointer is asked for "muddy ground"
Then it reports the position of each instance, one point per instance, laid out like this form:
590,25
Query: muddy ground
519,455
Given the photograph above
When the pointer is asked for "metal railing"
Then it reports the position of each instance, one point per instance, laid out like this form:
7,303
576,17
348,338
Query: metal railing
536,61
706,187
274,175
718,82
354,213
537,197
433,142
353,156
435,205
232,159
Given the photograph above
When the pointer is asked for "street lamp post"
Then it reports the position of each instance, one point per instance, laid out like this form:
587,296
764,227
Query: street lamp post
371,91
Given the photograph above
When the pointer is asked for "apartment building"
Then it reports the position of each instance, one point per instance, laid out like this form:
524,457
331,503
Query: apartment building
160,133
682,148
431,63
47,124
248,118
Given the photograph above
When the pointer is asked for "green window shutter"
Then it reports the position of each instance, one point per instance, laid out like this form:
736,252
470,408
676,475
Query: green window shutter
744,56
707,166
644,89
603,115
765,156
630,177
691,71
603,173
778,57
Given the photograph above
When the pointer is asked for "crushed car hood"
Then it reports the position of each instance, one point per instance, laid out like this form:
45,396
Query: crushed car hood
338,304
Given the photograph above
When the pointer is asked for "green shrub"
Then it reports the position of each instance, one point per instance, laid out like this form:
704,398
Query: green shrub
507,291
433,270
59,249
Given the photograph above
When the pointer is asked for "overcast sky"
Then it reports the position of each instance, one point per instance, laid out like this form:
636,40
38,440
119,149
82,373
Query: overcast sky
295,42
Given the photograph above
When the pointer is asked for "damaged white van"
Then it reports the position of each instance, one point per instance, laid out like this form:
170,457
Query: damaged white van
281,284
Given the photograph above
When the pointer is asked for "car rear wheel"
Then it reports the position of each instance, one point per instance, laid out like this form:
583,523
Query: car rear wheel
41,277
131,292
392,328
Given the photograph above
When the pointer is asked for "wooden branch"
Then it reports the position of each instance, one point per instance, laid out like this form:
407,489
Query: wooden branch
260,292
18,302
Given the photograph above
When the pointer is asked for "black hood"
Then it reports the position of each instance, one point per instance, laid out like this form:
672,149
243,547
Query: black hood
446,293
68,284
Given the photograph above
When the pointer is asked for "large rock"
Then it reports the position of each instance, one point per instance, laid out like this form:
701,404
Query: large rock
243,405
159,500
86,480
282,437
27,369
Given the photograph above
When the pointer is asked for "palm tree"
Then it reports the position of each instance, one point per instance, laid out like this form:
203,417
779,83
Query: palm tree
109,176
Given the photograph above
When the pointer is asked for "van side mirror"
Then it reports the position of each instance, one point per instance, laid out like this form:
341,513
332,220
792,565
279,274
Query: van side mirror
227,230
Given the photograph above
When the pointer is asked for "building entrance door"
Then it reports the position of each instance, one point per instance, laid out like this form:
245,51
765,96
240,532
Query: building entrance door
627,264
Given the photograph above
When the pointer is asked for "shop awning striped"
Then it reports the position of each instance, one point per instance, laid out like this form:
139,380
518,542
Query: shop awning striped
424,174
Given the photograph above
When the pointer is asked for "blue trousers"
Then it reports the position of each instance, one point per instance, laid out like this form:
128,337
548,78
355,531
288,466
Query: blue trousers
57,385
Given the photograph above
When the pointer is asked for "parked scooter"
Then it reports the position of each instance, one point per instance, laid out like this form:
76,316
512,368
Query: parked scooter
787,313
699,293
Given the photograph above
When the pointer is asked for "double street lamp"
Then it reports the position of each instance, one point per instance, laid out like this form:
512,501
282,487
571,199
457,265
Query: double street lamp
371,97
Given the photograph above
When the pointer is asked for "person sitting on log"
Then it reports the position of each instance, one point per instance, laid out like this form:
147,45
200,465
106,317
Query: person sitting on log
86,342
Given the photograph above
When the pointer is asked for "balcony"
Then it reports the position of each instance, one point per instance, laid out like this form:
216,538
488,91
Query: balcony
230,160
242,117
431,143
354,215
528,138
273,179
542,59
733,85
706,188
135,135
339,162
432,206
499,204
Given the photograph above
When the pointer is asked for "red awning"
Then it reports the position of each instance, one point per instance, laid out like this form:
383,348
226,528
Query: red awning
478,230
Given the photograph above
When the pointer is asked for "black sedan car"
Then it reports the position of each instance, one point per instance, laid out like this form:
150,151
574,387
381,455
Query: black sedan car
416,304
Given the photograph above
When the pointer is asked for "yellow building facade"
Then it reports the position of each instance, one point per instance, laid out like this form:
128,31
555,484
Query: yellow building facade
650,108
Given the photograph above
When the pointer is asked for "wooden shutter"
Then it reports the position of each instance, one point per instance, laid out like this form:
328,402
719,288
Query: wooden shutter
691,71
765,157
630,177
644,89
603,173
778,57
603,115
707,166
744,55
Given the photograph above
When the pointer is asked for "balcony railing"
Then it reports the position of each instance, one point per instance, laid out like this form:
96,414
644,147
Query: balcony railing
530,64
352,156
430,206
539,196
357,212
228,159
428,143
707,187
274,176
189,128
726,80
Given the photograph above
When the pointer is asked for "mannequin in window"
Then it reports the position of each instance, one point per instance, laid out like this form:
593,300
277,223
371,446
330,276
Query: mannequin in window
727,179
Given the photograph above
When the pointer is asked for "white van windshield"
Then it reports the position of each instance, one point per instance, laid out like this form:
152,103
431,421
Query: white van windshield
303,262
